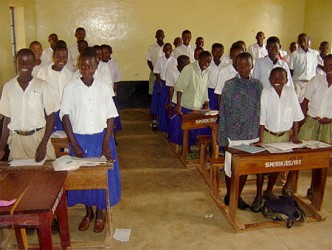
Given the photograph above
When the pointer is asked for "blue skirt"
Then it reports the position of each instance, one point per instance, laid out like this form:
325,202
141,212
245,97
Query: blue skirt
175,133
57,122
163,119
117,120
213,99
155,97
92,147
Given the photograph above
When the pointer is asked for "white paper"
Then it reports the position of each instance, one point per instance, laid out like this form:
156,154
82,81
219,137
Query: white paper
59,134
68,162
273,150
316,144
122,234
285,146
25,162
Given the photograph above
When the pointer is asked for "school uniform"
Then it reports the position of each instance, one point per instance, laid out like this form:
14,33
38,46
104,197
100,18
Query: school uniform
257,51
73,55
192,82
184,50
26,110
213,99
153,52
47,56
304,65
224,75
278,113
88,109
263,68
320,105
36,69
239,114
320,61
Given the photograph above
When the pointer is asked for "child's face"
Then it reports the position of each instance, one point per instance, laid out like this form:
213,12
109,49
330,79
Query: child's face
60,58
37,51
197,52
244,66
88,66
278,79
80,35
260,38
53,40
25,64
177,42
328,66
217,53
81,46
106,55
293,47
199,42
168,50
303,41
99,54
234,54
204,62
186,38
273,50
324,49
160,36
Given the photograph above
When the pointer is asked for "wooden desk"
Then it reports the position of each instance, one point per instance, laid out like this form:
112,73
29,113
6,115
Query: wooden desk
39,195
196,121
264,162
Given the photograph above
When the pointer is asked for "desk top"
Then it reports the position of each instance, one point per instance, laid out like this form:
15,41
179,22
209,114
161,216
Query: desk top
35,191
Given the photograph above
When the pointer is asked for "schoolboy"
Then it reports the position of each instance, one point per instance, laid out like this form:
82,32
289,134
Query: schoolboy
57,76
47,55
302,64
227,72
190,95
324,49
37,50
185,48
160,92
263,66
217,52
87,112
177,42
258,49
199,42
239,116
292,47
317,108
197,51
27,130
73,50
152,54
280,113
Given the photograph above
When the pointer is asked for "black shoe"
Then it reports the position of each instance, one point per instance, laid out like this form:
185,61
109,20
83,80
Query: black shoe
257,204
55,226
242,205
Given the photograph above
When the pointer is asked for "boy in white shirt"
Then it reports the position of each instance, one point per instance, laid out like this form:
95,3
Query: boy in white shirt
73,51
258,50
47,56
185,48
280,113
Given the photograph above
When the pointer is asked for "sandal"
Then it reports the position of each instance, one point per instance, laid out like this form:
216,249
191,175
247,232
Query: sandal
99,225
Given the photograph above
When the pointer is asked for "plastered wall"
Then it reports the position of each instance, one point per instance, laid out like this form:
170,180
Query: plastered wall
129,25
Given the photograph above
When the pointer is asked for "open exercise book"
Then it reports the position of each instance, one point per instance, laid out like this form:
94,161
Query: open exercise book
248,148
68,162
283,147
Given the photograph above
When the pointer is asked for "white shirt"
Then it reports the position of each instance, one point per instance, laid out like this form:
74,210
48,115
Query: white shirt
115,72
73,54
26,109
36,69
224,75
153,52
162,64
172,74
214,69
279,113
57,80
304,64
88,107
320,97
184,50
256,51
263,67
47,56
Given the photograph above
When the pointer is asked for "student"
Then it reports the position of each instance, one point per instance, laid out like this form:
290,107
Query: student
258,49
263,66
324,49
57,76
190,95
217,51
280,113
292,47
37,50
317,108
239,116
172,74
177,42
47,55
27,130
107,52
227,72
197,51
185,48
160,92
87,112
302,64
243,44
73,50
153,52
199,42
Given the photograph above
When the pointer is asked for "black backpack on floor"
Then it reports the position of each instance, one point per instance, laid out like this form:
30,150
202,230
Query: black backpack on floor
284,209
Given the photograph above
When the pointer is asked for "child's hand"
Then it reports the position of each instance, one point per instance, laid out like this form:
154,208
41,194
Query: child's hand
40,152
78,151
259,143
295,140
324,120
177,110
107,152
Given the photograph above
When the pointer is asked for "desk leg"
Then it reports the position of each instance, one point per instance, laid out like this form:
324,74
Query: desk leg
63,222
319,183
233,200
214,144
185,144
21,238
44,230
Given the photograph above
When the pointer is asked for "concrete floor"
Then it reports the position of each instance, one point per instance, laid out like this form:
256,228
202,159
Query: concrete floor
168,206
